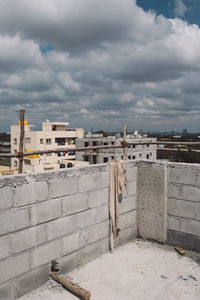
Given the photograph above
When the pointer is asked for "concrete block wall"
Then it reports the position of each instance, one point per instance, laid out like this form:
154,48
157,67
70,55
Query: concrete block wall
61,215
183,208
151,200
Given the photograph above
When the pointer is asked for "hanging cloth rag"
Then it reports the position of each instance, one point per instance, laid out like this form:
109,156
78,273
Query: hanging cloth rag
117,186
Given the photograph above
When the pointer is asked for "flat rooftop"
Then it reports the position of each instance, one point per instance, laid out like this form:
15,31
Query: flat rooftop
138,270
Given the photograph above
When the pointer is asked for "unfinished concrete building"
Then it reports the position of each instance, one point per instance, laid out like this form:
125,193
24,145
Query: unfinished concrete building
143,151
64,216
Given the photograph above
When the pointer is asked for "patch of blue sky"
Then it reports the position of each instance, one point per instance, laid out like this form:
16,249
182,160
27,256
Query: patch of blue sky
46,48
168,9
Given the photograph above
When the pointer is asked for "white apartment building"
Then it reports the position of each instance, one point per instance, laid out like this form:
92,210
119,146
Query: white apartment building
144,152
54,135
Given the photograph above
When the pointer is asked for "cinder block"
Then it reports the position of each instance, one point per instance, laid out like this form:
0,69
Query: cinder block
45,253
185,192
102,213
30,193
45,211
185,209
4,246
85,218
130,189
184,176
187,241
7,291
127,220
98,197
63,187
190,226
14,266
60,227
69,262
93,181
14,219
128,234
127,204
90,252
5,198
27,238
131,172
173,223
105,246
74,203
98,232
71,243
83,238
31,280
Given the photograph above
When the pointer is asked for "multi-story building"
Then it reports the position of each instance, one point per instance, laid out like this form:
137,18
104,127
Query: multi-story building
147,151
54,135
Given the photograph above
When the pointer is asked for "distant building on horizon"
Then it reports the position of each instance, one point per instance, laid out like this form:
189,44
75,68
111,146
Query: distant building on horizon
144,152
54,135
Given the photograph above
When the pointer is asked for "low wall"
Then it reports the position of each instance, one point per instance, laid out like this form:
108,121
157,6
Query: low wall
61,215
168,203
183,212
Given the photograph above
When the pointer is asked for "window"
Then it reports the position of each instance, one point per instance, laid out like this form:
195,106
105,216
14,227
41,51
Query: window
15,141
41,141
15,150
72,152
105,159
133,157
27,140
150,154
86,144
147,145
147,156
112,143
94,159
112,157
48,141
15,163
105,144
140,154
94,143
27,162
86,158
129,157
60,141
133,146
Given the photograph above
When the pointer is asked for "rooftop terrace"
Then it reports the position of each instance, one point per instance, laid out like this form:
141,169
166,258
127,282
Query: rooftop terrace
137,270
64,216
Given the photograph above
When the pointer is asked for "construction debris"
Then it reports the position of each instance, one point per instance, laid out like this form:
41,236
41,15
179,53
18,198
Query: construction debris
179,250
193,277
73,288
163,276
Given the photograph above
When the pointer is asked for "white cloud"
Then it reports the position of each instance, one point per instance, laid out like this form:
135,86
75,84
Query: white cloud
180,8
109,60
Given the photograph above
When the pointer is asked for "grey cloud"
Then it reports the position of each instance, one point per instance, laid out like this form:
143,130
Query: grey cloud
111,62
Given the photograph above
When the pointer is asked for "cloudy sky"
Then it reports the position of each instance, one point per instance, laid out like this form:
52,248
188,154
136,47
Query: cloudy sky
100,63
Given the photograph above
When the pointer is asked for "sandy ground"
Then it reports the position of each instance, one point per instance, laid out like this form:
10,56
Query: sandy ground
138,270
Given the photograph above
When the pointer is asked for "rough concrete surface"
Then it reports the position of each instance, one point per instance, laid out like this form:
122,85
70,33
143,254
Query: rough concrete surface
138,270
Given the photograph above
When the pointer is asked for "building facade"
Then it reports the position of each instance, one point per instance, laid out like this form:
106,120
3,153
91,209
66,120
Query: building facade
54,135
144,152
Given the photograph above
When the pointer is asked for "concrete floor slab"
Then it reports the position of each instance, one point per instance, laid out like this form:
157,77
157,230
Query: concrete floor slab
138,270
